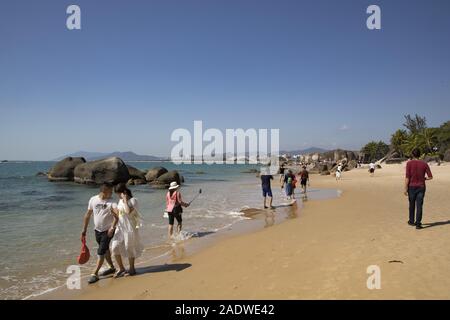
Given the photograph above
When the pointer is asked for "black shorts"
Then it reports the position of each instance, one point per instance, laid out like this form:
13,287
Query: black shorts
103,242
371,170
303,181
173,216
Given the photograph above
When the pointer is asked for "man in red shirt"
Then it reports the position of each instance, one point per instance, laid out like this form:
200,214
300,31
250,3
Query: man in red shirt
417,172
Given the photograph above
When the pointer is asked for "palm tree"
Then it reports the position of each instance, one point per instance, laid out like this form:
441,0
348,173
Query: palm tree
429,139
397,141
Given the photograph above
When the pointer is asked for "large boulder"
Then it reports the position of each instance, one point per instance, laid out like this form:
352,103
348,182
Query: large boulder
64,169
155,173
135,173
351,156
324,167
165,179
429,159
315,157
352,164
328,156
339,155
447,156
136,182
112,170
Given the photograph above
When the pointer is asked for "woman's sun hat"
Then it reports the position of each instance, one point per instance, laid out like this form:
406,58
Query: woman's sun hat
173,185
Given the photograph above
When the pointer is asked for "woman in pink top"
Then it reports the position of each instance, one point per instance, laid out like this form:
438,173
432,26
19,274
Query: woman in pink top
417,172
174,207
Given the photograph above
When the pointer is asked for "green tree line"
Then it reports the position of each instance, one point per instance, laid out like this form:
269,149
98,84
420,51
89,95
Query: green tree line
416,135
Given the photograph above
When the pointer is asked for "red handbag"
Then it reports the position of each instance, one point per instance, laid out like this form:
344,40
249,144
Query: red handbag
84,254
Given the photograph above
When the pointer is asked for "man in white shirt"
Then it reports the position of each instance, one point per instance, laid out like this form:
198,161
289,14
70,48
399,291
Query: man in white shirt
104,210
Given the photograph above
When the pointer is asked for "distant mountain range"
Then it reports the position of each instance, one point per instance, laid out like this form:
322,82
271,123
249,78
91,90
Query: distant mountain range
305,151
125,156
131,156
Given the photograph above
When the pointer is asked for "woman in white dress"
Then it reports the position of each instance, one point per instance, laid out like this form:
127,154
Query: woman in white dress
126,241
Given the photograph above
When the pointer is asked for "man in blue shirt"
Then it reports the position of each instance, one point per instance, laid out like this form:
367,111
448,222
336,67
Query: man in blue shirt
266,189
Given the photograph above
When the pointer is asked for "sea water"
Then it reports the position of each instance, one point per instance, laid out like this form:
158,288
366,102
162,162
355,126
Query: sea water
41,221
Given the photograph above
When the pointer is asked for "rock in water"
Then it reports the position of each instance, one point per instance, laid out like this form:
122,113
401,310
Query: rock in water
168,177
112,170
155,173
135,173
41,174
64,169
139,182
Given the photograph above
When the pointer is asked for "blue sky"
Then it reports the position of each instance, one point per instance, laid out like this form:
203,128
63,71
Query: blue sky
140,69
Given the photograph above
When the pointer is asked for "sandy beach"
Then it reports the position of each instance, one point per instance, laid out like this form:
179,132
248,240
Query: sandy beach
322,254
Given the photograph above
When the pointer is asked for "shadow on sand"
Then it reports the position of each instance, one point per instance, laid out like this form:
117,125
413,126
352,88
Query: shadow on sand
435,224
163,268
202,234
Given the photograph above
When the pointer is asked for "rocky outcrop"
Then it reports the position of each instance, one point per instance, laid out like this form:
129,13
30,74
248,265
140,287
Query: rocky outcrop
64,169
447,156
395,160
352,164
135,173
136,182
428,159
165,179
337,155
352,156
112,170
155,173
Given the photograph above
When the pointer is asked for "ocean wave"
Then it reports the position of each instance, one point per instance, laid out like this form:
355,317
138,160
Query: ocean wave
32,193
56,198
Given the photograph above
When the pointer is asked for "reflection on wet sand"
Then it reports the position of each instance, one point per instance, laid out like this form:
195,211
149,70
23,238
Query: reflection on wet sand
269,218
177,252
275,215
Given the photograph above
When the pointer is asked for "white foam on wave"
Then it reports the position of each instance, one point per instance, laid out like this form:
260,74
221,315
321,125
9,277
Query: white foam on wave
157,226
183,236
236,213
34,295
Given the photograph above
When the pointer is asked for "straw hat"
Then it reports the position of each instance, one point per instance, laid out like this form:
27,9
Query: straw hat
173,185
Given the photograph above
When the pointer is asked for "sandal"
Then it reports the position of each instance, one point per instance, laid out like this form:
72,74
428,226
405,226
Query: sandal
132,272
93,279
120,273
108,272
